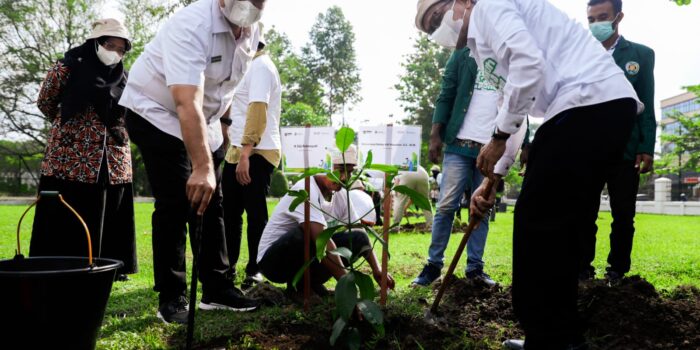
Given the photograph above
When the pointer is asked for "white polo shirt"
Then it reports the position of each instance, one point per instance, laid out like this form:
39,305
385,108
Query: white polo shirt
544,62
361,207
194,47
260,84
283,221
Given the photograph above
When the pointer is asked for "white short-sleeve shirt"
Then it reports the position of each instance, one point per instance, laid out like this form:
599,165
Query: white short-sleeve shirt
260,84
543,61
283,220
194,47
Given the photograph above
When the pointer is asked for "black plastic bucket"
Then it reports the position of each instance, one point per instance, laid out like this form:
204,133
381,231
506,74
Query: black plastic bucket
54,302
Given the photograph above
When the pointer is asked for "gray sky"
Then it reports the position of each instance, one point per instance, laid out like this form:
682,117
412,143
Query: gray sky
385,32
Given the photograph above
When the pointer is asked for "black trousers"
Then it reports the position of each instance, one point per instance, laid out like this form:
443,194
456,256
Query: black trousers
623,184
253,200
285,257
168,168
564,175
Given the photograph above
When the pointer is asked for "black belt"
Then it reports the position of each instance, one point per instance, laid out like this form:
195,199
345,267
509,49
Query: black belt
468,143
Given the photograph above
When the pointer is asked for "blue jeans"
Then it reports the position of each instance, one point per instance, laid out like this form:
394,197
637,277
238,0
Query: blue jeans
458,174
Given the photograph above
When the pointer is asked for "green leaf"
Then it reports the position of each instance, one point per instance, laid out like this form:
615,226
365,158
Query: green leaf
300,197
418,199
323,239
354,340
371,312
338,327
344,138
366,286
346,296
376,235
389,169
300,273
360,254
343,252
311,172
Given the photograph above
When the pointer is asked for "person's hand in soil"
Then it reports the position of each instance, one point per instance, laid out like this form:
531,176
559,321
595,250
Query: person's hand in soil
390,283
481,202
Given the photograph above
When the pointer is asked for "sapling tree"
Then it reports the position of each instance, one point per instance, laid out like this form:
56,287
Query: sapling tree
355,291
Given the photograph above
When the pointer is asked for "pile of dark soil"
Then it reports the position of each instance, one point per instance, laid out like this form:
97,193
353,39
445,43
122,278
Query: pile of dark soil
631,315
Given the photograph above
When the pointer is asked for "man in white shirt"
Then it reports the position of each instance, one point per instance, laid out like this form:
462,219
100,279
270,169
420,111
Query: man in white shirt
281,249
361,204
463,121
548,66
178,90
255,152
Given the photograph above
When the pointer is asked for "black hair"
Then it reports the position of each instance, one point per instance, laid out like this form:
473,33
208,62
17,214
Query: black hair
617,4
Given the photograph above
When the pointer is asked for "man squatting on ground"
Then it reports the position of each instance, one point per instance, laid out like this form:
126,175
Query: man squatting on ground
622,178
280,254
256,150
547,66
179,88
464,120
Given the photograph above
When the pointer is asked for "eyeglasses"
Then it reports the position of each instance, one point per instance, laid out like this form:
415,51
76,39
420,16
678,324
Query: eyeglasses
112,47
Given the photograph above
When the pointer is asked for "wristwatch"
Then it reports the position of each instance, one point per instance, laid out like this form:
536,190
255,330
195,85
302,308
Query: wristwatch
498,135
226,121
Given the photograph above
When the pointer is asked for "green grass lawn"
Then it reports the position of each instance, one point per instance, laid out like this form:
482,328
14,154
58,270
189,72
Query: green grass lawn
665,253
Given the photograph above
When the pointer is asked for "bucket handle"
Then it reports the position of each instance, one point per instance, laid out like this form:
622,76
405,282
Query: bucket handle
60,198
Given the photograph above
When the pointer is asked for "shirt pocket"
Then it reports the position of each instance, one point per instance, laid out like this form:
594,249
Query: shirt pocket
217,69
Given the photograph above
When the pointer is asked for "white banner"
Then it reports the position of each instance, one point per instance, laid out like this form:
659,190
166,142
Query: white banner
397,145
307,147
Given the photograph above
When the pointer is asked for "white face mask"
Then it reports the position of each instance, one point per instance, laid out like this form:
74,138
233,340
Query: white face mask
107,57
447,34
241,13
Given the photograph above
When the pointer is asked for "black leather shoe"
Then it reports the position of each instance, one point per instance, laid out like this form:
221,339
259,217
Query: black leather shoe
175,310
517,344
514,344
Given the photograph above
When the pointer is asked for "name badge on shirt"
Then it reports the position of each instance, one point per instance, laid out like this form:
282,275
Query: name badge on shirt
216,59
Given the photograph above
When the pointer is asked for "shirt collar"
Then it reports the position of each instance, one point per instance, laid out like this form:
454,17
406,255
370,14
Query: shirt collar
614,46
220,24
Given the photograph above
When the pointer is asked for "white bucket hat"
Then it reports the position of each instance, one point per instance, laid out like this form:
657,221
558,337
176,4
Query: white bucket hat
110,27
350,156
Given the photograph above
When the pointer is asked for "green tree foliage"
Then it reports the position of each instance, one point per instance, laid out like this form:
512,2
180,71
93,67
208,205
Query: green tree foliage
141,18
33,35
300,114
330,57
419,85
685,154
681,2
19,162
298,85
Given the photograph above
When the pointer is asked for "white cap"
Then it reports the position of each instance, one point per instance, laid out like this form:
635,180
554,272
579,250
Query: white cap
350,156
110,27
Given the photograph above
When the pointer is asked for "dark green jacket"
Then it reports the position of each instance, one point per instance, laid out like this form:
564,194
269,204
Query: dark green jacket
637,61
455,95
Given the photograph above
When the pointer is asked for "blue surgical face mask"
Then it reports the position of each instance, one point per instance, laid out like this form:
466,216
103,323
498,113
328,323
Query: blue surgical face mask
603,30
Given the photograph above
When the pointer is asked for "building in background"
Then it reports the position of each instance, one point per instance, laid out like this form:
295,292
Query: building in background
688,104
